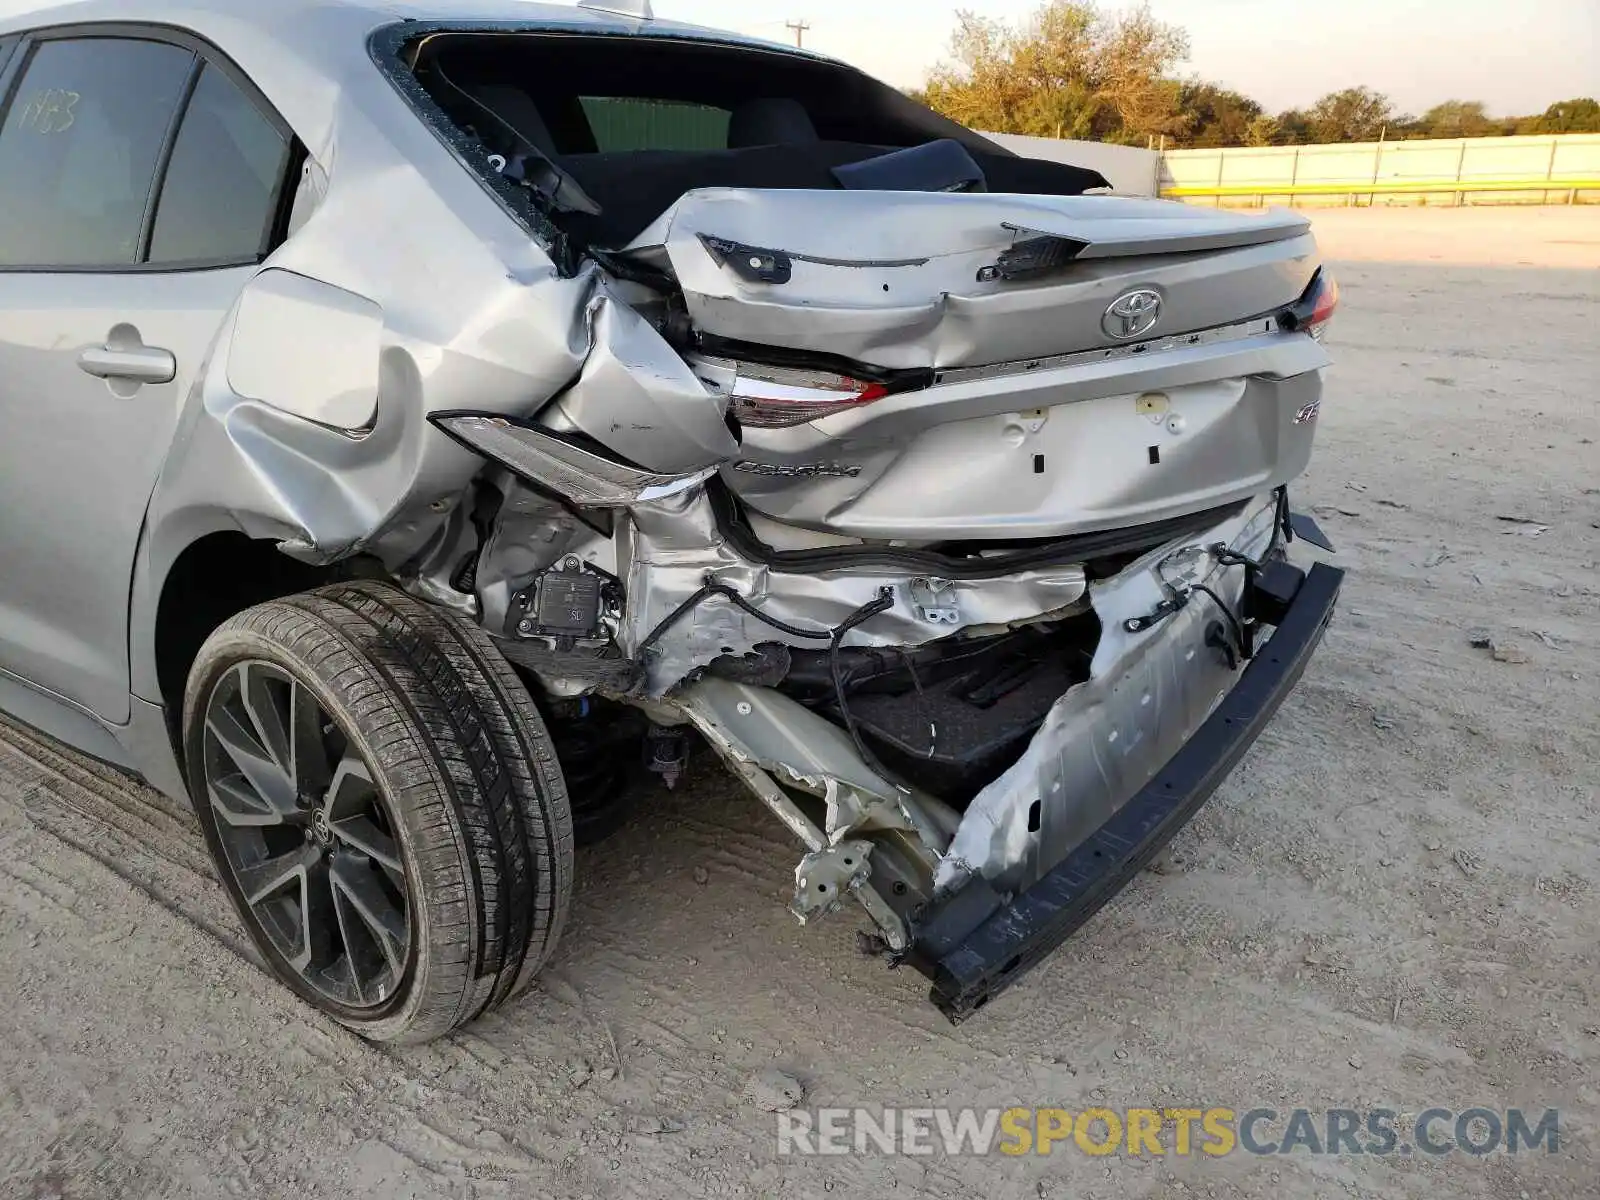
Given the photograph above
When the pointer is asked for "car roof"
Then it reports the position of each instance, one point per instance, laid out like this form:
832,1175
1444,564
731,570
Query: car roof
285,20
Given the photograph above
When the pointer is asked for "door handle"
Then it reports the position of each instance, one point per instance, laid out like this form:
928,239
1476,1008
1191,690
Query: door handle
140,364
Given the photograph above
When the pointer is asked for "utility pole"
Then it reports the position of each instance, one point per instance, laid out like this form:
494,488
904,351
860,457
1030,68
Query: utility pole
799,28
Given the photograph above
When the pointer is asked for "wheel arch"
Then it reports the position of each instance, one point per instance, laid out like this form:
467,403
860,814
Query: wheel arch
219,572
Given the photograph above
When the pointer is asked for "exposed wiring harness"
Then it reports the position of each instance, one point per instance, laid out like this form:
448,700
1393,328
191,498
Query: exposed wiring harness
834,637
1178,597
863,614
713,588
1234,623
1178,594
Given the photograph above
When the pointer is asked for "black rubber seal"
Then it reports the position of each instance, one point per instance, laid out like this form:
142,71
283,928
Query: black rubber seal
1079,548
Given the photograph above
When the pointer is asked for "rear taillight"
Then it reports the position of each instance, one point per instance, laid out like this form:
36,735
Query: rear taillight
763,397
1312,312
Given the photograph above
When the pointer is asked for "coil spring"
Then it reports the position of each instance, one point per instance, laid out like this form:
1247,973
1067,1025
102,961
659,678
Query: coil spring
599,754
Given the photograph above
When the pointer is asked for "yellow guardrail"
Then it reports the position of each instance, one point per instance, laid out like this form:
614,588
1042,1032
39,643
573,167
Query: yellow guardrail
1385,187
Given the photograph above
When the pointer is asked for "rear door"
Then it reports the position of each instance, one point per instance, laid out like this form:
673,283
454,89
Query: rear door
141,184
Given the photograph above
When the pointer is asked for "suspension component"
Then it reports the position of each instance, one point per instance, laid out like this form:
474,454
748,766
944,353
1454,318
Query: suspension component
666,753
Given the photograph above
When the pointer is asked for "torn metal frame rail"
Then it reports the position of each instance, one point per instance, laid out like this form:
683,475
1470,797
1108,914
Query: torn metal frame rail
820,859
968,970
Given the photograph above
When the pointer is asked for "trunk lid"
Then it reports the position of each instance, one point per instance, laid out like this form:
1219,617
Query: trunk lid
1052,366
909,280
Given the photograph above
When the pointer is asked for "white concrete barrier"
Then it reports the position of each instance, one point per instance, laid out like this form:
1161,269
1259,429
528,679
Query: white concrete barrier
1558,168
1129,169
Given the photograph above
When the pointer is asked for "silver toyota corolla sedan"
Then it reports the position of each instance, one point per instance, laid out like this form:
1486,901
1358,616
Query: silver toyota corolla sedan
424,424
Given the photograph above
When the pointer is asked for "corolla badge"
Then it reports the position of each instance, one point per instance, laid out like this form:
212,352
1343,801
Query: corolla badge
799,470
1132,314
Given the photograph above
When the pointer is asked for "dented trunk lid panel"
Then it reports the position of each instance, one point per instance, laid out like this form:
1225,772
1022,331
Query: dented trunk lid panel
912,280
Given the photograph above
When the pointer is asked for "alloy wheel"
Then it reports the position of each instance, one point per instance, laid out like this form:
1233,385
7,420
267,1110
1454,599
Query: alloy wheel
307,836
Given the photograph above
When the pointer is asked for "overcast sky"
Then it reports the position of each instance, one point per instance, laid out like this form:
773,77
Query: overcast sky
1518,56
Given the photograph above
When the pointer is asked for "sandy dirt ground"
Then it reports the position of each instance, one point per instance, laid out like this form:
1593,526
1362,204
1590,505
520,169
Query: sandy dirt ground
1393,902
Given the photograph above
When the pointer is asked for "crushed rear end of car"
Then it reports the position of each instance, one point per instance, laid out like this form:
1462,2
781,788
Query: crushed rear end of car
949,505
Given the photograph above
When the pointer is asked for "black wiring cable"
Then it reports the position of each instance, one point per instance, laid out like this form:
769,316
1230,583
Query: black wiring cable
712,588
834,637
1233,621
1227,557
671,619
722,589
862,615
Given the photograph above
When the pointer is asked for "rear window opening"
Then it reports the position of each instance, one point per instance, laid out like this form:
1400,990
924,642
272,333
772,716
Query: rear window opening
627,123
616,129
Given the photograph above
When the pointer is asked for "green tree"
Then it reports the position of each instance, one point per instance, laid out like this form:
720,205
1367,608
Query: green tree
1293,128
1136,53
1356,114
1069,71
1218,116
1580,115
1073,70
1454,119
1263,131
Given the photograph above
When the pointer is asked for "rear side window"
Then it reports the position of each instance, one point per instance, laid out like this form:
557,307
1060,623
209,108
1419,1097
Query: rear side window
624,123
80,148
222,187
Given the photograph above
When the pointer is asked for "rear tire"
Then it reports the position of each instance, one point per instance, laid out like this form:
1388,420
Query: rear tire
383,804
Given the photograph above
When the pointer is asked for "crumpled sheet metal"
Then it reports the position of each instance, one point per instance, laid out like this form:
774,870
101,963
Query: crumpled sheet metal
823,878
1105,739
671,546
639,398
475,314
765,728
769,740
898,285
586,478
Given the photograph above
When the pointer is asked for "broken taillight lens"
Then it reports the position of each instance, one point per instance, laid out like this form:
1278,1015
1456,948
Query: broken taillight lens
762,397
1312,312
